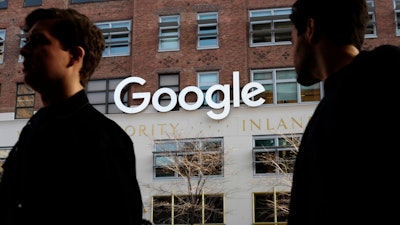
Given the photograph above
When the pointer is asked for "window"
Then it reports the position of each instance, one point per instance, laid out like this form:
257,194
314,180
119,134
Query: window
4,151
3,4
274,154
83,1
22,43
25,101
32,2
371,27
188,158
169,81
180,209
205,81
207,30
169,35
397,16
270,208
270,27
101,95
117,36
281,87
2,41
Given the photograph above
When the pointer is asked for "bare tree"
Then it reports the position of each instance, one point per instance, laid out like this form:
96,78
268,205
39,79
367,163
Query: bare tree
191,162
194,161
282,162
4,151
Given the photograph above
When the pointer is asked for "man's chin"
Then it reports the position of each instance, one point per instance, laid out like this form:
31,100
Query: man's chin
33,84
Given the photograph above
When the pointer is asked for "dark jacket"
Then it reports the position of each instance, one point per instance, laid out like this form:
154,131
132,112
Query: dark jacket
345,170
71,165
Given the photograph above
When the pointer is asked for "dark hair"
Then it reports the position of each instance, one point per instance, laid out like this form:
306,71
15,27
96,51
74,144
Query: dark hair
341,21
73,29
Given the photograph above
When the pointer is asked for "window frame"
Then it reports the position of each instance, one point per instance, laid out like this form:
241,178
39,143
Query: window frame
277,82
396,7
207,29
171,81
278,212
2,44
171,202
175,151
169,32
264,18
24,102
205,85
371,31
22,43
107,106
283,149
121,29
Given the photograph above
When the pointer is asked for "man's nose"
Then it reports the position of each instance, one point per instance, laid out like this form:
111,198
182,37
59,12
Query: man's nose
24,50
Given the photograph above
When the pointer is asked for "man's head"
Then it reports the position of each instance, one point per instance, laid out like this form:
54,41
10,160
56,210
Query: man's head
340,21
326,36
73,30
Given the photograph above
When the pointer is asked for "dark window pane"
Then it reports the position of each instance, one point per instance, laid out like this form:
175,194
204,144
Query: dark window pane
83,1
3,4
32,2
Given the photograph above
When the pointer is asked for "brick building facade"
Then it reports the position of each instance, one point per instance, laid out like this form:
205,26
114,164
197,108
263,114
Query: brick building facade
176,44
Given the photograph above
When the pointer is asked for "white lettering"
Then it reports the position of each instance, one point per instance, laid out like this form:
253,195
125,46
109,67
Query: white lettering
248,92
236,89
225,103
192,106
156,99
144,95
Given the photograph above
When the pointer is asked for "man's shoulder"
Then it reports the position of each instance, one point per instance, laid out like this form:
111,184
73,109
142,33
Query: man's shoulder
386,52
387,49
100,120
383,57
107,129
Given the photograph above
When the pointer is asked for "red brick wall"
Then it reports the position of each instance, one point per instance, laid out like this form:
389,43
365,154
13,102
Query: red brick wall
234,53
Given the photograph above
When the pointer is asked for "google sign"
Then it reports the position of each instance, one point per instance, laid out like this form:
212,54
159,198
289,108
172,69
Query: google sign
248,92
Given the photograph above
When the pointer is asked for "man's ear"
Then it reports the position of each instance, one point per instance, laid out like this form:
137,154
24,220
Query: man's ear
311,32
77,54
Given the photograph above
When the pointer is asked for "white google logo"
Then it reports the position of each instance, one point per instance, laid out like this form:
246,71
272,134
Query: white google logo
248,92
